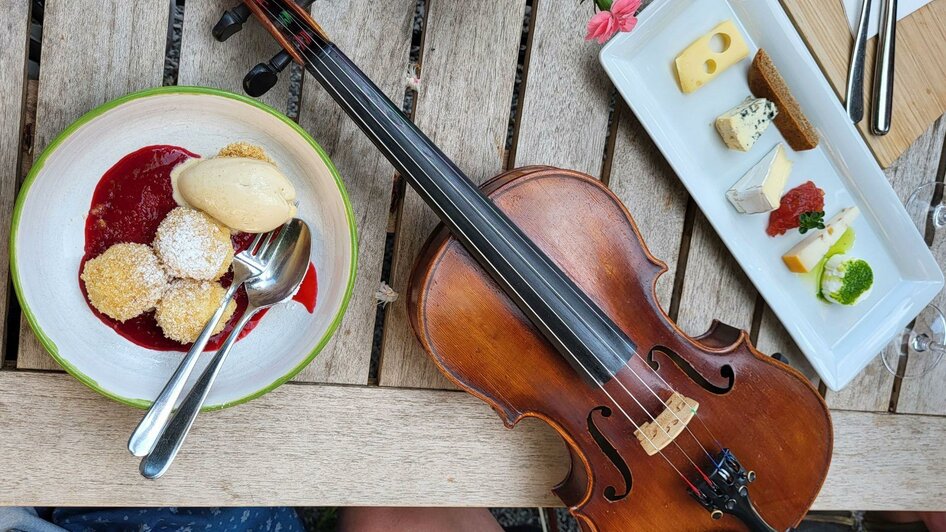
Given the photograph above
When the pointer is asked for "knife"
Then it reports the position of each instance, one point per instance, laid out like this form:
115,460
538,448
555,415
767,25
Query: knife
854,99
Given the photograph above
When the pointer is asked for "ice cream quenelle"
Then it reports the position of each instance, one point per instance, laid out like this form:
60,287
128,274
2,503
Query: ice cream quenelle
242,193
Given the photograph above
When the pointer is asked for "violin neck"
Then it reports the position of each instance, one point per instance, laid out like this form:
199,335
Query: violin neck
561,311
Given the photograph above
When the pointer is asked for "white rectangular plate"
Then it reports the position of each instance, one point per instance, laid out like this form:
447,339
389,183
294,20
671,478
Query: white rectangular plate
838,341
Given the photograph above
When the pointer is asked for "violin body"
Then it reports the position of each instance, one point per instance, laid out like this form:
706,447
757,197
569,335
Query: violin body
768,414
537,295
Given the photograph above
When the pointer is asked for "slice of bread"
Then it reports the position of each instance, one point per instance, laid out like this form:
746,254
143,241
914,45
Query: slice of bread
766,82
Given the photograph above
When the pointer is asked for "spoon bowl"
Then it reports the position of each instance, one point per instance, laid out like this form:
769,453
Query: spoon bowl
286,260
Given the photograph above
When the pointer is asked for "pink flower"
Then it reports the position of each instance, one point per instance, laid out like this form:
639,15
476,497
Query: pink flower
620,17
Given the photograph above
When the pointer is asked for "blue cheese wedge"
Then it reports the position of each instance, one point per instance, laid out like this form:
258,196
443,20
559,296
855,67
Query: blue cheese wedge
742,125
809,252
760,190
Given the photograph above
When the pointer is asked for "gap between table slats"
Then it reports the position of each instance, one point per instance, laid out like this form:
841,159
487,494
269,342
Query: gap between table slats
88,60
469,49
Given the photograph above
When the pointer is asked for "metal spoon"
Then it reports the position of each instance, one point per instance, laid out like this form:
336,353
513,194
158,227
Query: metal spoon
246,264
287,260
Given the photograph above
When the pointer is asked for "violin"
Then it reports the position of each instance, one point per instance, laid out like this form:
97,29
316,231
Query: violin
536,294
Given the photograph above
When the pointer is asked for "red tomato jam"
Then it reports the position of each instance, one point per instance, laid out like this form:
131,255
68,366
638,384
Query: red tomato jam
797,201
128,204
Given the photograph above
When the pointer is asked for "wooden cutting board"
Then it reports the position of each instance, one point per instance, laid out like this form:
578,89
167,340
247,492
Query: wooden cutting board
920,92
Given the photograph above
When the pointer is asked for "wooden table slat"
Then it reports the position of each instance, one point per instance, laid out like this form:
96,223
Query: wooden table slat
470,48
924,394
14,34
88,60
380,45
376,446
773,338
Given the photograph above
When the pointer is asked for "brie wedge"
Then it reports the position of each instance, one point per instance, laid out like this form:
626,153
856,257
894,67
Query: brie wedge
809,252
742,126
760,190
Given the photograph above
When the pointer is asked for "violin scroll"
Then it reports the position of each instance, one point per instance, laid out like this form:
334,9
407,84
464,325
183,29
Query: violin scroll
264,76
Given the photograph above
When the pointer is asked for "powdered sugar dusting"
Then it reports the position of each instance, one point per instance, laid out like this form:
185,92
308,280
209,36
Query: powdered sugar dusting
192,245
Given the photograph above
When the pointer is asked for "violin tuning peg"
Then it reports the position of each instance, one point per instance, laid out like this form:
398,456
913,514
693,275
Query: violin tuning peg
231,22
264,76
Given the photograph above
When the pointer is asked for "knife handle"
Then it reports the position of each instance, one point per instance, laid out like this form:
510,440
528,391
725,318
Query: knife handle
854,99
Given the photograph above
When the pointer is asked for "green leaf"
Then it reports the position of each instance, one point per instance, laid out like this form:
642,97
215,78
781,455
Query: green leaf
604,5
810,220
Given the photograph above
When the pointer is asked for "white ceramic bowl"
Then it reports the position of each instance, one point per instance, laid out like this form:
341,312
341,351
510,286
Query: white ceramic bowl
47,240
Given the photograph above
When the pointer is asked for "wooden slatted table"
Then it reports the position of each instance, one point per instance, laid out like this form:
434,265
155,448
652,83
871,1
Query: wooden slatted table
338,434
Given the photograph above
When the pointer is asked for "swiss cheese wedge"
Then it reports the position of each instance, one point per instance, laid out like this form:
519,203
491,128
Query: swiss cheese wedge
700,63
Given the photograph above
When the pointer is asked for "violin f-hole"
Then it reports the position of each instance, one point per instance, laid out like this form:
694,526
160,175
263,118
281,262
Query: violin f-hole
726,371
610,492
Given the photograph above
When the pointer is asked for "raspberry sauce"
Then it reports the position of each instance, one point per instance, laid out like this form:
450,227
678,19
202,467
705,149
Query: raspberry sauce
804,198
128,204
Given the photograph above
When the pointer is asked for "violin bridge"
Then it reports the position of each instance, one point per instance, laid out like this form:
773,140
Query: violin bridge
658,434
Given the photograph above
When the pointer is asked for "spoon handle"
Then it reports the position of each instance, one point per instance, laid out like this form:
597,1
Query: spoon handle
157,462
149,429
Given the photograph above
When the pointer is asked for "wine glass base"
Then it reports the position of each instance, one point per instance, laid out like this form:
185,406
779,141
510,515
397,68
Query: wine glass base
919,349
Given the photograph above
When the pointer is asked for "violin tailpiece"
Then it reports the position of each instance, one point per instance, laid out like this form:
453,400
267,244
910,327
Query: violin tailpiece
658,434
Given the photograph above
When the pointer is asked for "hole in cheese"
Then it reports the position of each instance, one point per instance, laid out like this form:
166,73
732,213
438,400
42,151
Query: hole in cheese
720,42
710,66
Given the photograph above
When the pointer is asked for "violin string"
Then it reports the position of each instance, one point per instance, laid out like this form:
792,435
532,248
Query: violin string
611,326
283,23
711,435
303,50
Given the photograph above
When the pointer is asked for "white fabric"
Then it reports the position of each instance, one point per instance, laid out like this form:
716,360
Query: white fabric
853,9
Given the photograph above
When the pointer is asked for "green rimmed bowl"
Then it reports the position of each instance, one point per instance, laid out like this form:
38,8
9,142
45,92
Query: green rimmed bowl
47,239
